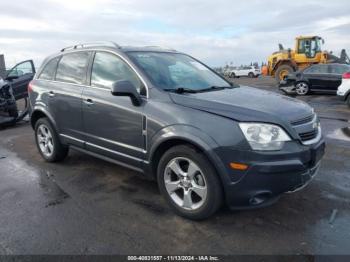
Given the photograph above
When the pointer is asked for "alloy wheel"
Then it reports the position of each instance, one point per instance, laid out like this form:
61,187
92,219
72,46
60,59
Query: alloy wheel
302,88
45,140
185,183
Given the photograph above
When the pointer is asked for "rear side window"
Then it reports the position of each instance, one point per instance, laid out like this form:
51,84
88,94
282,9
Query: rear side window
72,68
339,69
48,73
317,69
108,68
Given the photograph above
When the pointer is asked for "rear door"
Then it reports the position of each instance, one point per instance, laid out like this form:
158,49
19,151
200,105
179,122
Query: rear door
336,72
112,124
20,76
65,93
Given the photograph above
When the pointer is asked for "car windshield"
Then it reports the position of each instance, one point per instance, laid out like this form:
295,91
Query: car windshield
174,71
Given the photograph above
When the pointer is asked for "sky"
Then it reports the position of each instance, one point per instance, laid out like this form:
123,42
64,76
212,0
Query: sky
214,31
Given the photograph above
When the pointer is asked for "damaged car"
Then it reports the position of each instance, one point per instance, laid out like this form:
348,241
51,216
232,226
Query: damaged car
173,119
14,94
321,78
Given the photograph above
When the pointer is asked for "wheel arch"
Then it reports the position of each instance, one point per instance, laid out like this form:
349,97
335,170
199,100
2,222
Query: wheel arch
38,113
288,62
196,139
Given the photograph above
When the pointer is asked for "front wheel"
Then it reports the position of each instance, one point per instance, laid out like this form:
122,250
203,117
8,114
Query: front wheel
251,75
301,88
189,183
233,75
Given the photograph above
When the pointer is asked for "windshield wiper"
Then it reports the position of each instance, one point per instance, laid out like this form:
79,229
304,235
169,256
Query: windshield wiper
181,90
214,88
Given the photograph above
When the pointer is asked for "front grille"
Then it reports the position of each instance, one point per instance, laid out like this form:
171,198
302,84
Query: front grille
308,135
303,120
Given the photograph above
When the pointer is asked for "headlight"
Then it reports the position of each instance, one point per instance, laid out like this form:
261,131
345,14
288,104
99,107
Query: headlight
264,136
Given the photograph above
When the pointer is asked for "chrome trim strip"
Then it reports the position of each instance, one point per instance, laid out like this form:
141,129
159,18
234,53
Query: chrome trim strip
311,121
315,140
72,138
114,152
104,148
117,143
101,50
107,158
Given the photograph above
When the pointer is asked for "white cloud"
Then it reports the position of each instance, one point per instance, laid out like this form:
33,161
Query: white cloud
214,31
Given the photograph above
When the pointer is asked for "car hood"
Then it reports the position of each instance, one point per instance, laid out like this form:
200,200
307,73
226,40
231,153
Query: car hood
246,104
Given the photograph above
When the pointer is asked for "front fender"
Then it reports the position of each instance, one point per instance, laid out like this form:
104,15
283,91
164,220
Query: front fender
192,135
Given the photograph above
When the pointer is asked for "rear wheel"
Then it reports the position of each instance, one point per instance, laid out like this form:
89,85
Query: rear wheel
251,75
189,183
282,71
348,101
233,75
302,88
47,141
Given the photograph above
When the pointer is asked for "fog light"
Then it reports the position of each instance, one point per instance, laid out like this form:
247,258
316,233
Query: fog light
238,166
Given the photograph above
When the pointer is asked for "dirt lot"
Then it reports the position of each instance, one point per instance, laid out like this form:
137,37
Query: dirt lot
88,206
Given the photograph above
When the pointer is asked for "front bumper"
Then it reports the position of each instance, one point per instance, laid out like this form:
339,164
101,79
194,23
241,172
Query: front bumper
271,174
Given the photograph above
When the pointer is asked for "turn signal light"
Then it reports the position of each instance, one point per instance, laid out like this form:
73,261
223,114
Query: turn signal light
346,75
238,166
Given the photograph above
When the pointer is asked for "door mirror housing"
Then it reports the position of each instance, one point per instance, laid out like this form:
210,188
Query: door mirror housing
126,88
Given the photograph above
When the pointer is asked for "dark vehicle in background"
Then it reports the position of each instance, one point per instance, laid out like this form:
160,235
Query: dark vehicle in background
324,78
13,93
173,119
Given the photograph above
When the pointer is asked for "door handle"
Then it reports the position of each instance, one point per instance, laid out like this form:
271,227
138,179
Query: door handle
88,101
51,94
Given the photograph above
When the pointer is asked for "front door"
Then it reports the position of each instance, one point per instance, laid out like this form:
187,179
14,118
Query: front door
19,77
318,77
112,124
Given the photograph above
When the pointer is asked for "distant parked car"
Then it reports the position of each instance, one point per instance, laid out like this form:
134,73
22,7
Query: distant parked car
318,78
250,71
344,88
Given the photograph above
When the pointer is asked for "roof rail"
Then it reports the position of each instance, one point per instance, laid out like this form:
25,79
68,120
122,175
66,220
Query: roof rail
98,43
161,47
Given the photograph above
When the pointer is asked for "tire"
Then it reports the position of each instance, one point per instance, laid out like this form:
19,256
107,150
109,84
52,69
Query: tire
233,75
302,88
282,71
47,141
251,75
192,205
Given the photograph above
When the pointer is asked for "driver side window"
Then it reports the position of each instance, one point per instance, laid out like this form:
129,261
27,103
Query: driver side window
21,69
108,69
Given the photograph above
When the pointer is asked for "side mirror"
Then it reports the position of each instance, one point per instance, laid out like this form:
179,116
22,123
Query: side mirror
126,88
10,78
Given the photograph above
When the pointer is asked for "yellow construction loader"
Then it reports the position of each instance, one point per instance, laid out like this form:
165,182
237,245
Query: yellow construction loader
307,51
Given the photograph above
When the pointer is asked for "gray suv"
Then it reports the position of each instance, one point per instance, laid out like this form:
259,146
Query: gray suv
168,116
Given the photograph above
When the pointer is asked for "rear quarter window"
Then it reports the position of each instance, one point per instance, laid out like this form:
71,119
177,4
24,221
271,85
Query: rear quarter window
49,71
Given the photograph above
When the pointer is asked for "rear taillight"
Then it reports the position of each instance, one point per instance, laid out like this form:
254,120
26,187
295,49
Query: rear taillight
346,75
30,87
